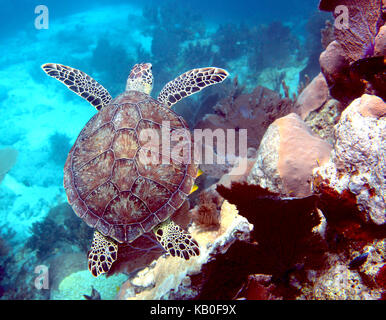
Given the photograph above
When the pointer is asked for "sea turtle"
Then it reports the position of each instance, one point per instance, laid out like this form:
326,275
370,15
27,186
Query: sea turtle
107,182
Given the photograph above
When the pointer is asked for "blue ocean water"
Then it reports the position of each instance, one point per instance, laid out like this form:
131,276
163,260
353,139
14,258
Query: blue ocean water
40,119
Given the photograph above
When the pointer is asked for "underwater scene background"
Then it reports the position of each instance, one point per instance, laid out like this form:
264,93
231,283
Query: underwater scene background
307,218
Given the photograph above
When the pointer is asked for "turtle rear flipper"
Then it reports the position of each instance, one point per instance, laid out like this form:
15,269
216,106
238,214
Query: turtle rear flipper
189,83
79,82
175,240
102,254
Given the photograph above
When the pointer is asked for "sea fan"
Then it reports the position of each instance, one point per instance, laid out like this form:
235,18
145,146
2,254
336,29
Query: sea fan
364,21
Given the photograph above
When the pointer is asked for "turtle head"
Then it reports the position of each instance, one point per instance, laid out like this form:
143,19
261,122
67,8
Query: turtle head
140,78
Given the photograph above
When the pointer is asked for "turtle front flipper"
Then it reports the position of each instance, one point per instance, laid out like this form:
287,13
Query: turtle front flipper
102,254
189,83
79,82
175,240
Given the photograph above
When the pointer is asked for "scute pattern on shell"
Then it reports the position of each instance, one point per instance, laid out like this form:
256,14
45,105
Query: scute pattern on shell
107,184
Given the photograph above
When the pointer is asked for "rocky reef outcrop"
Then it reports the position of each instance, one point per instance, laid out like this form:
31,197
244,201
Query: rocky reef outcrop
171,278
358,162
288,153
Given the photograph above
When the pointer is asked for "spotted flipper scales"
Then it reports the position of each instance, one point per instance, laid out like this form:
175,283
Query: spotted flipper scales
79,82
102,254
175,240
189,83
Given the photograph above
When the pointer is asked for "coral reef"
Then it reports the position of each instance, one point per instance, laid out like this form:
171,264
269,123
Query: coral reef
338,282
80,283
319,229
381,280
288,153
63,264
60,227
172,278
258,287
137,255
328,35
254,112
360,136
271,46
145,249
45,236
164,26
198,54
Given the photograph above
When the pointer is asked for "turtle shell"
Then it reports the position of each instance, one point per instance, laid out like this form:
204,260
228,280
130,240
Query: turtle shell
107,181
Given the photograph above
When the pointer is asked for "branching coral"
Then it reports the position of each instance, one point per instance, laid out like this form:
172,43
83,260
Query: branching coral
45,237
60,226
254,111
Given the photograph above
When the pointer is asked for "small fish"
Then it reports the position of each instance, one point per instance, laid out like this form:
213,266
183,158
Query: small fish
95,295
358,261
